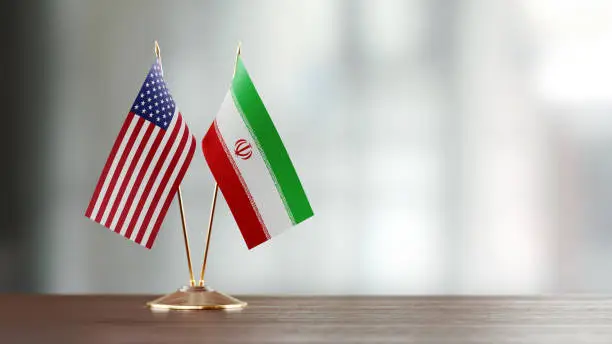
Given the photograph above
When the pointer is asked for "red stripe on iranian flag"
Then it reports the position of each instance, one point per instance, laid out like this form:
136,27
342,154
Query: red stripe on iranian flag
234,189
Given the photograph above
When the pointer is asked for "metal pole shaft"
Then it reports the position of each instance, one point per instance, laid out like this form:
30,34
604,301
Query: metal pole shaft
208,233
182,210
184,222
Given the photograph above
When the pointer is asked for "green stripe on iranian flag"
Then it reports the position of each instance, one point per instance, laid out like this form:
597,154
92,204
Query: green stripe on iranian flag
270,151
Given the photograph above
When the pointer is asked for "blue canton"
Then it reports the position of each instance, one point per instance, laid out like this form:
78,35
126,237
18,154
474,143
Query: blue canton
154,102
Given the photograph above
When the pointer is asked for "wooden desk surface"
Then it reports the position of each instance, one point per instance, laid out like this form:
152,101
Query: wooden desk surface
124,319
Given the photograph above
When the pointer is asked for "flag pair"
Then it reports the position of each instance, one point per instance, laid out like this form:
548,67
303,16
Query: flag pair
155,147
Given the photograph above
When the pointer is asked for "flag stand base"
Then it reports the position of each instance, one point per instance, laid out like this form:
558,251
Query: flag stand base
196,298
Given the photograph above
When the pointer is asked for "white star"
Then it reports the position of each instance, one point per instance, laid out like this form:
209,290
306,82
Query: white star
156,111
147,84
153,82
165,123
164,116
143,110
149,99
154,89
162,101
142,103
156,103
148,92
155,97
142,95
163,108
150,115
158,119
150,107
135,107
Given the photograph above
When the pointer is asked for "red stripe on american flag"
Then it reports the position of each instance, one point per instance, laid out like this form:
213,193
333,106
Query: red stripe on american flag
171,194
138,182
128,175
234,191
153,176
119,168
162,186
109,162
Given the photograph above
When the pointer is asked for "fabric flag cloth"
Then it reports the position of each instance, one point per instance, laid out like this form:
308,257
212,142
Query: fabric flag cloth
146,165
251,165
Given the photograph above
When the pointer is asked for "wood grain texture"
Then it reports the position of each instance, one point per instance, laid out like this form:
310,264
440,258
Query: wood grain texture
125,319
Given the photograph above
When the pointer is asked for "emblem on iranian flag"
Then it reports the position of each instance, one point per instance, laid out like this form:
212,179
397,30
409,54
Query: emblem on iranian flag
243,149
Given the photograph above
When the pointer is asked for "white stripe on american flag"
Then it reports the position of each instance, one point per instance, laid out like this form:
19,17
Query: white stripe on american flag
187,150
151,193
145,180
174,188
133,120
122,173
134,175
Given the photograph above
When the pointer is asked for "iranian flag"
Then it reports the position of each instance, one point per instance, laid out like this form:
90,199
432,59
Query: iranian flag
251,165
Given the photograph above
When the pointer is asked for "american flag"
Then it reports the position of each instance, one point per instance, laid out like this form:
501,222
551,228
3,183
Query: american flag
146,165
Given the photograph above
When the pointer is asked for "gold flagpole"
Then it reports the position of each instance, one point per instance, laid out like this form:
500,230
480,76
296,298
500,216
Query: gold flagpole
214,200
208,232
201,296
180,199
184,223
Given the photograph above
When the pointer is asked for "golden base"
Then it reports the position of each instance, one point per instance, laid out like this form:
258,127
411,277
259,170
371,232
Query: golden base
196,298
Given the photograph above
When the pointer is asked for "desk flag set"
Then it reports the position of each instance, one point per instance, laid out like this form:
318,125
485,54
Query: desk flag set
155,147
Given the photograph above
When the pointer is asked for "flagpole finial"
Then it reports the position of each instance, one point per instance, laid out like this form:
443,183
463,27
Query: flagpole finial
237,55
158,57
157,51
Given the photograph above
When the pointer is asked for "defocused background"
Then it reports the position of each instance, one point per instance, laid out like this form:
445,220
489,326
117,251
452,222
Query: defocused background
447,146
